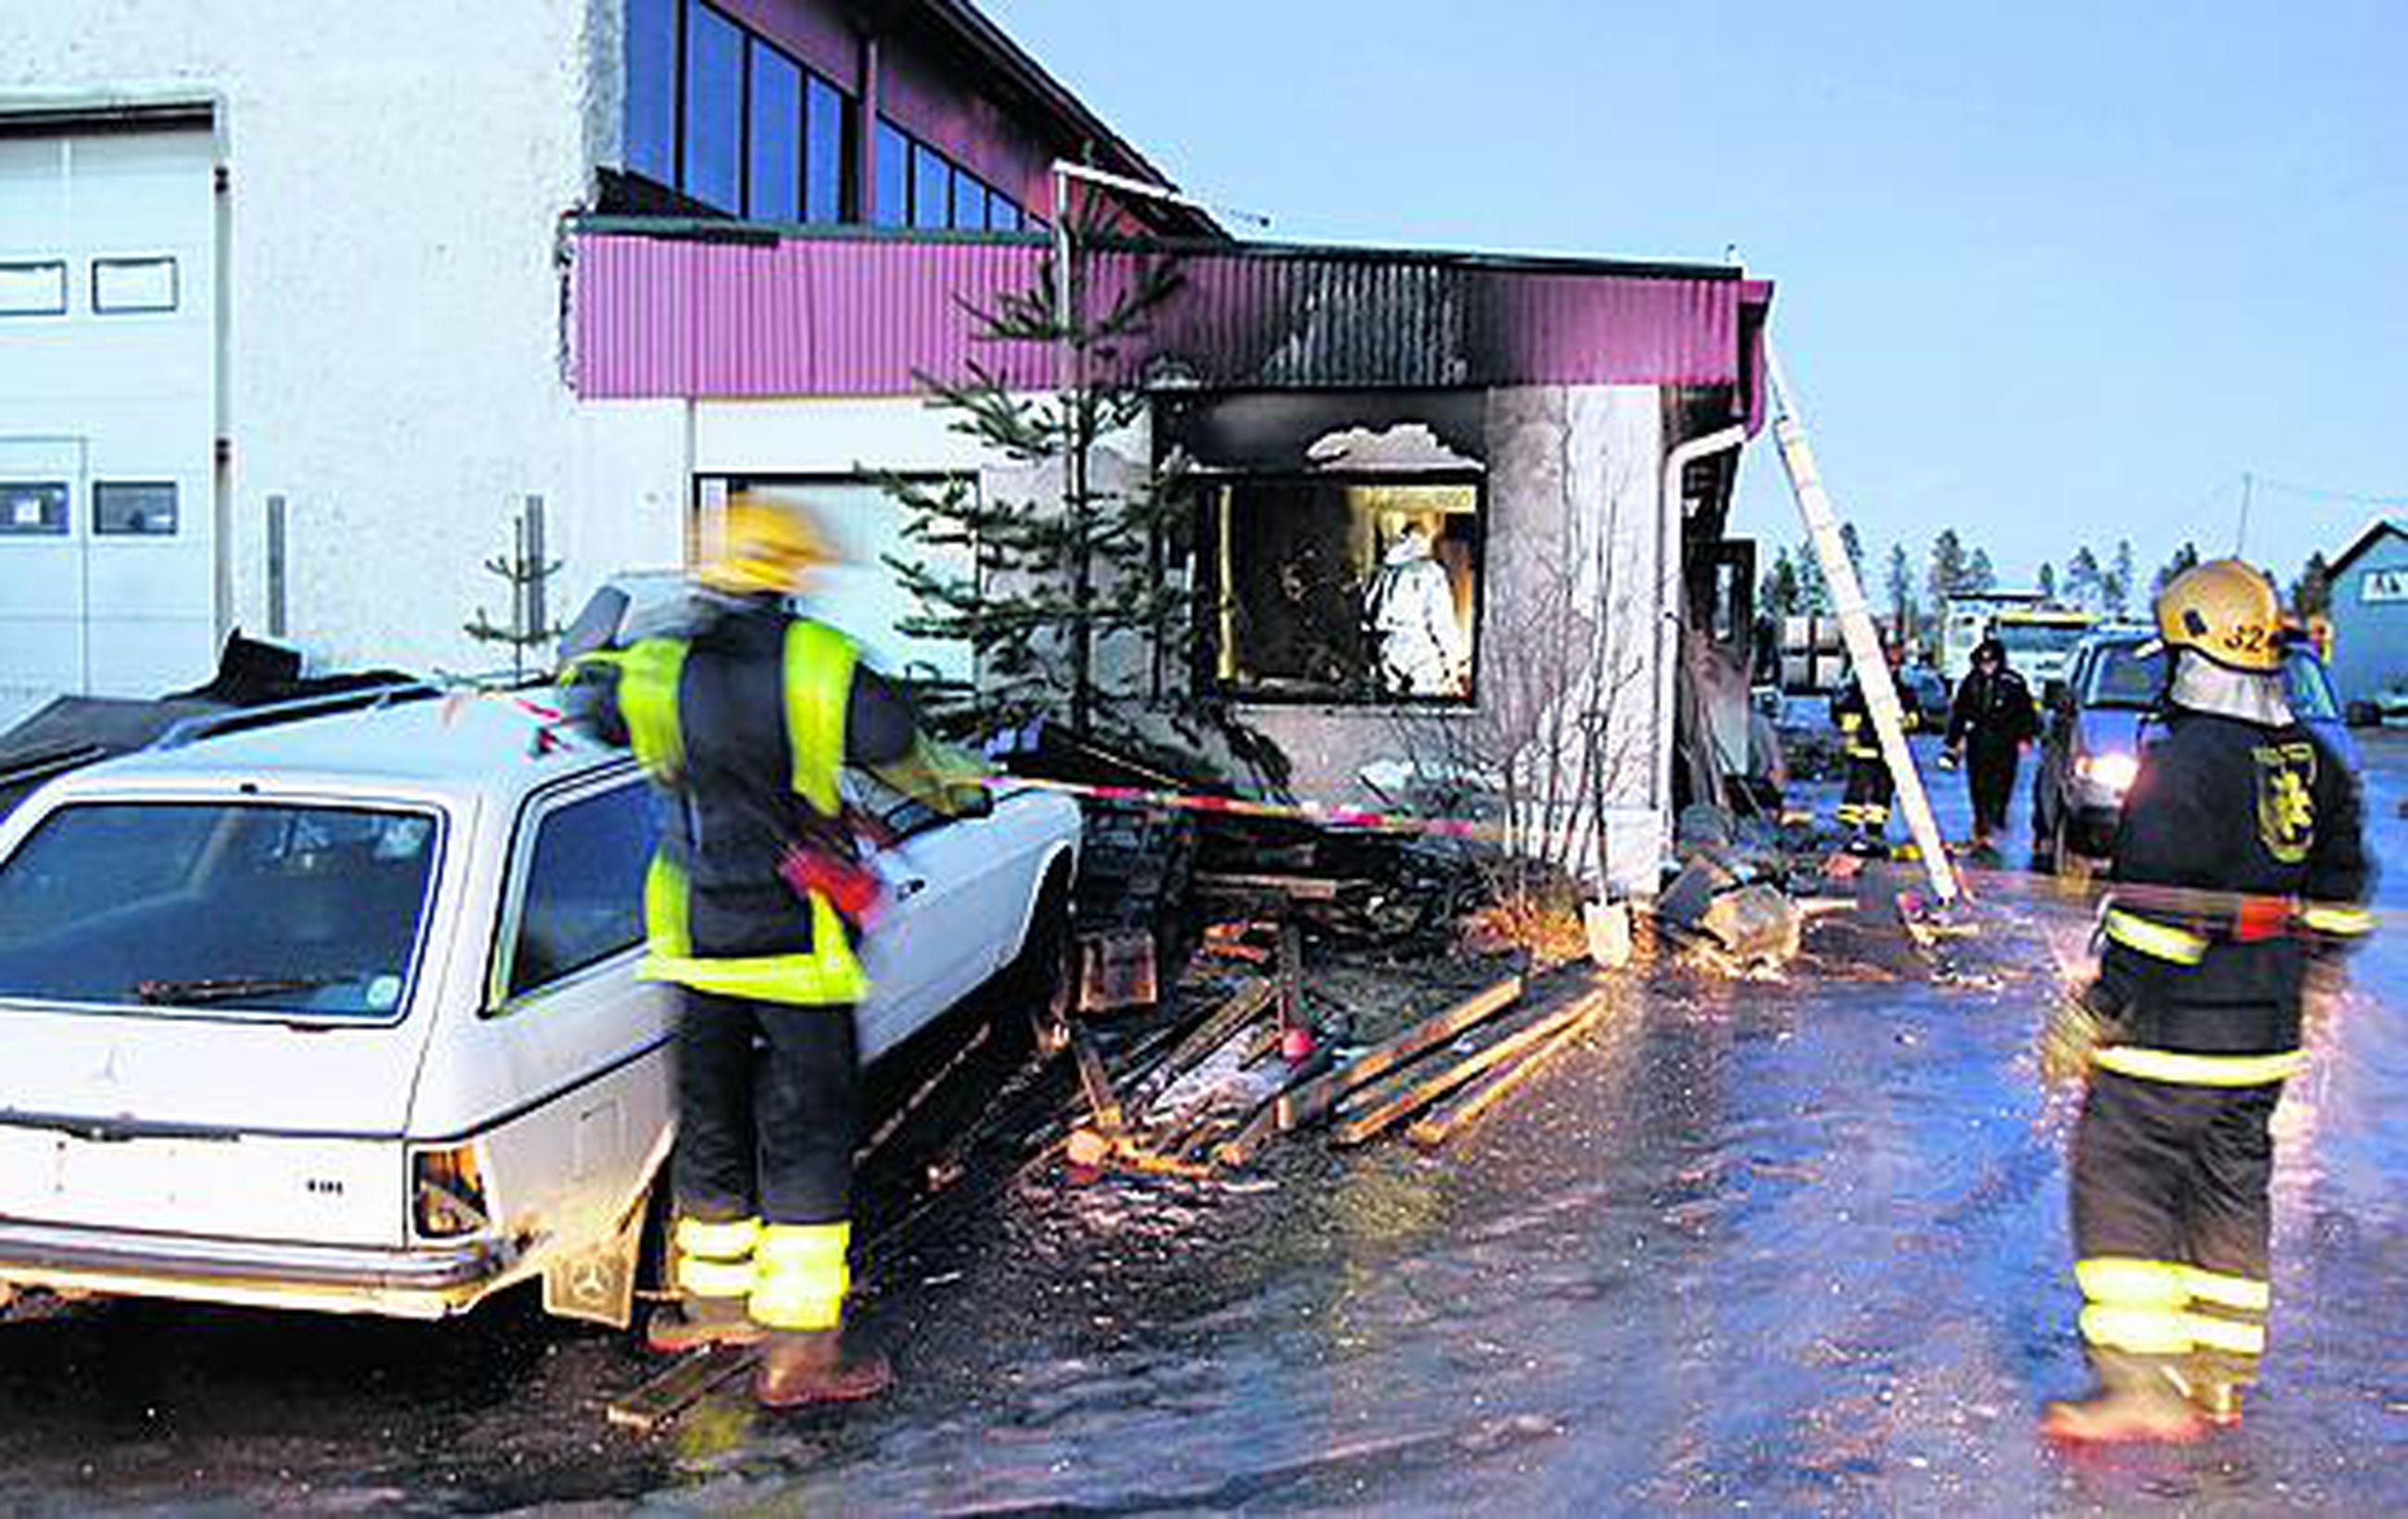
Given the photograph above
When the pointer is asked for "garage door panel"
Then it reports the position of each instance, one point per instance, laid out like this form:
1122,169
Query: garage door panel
41,654
134,656
33,198
41,579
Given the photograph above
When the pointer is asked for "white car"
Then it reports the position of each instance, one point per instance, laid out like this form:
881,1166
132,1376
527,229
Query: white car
339,1014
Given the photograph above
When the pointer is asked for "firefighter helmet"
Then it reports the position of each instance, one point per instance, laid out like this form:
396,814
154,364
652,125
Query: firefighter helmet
765,546
2226,610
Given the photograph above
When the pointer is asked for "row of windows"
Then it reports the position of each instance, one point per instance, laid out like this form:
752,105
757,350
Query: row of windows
118,286
726,118
120,508
920,187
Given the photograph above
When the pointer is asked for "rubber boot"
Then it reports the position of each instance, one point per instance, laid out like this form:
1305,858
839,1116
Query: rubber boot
2214,1381
695,1323
2138,1398
800,1368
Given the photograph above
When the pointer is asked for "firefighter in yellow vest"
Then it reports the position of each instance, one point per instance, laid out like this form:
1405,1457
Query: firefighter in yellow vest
2239,855
755,908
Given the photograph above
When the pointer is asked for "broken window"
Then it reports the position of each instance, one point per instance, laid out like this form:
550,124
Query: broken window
1322,589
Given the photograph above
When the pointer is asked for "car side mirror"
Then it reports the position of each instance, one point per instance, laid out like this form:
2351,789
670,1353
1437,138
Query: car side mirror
2057,696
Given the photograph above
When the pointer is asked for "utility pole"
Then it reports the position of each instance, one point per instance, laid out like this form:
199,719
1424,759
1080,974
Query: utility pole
2240,540
1856,627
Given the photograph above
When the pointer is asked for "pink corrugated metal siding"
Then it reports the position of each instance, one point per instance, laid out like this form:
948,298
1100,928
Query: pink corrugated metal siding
665,317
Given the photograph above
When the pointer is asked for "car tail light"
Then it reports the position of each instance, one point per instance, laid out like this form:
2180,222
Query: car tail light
448,1192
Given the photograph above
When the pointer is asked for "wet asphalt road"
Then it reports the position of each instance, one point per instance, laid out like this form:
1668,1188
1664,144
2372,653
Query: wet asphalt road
1794,1247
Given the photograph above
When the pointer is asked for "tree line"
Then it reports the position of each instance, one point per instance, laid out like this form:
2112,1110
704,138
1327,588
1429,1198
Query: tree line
1912,597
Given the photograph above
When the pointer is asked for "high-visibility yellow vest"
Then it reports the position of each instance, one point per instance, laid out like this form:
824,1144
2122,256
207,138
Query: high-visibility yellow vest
818,686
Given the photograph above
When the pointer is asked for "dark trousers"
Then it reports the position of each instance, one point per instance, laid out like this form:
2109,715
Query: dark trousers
768,1110
1866,805
1990,772
2171,1216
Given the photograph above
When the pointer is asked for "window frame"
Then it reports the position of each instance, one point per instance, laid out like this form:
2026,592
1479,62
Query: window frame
57,266
94,491
135,260
66,528
1205,590
501,953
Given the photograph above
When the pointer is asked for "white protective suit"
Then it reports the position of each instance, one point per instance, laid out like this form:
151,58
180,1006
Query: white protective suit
1411,607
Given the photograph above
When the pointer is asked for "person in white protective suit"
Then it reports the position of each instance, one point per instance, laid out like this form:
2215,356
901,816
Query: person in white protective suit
1421,648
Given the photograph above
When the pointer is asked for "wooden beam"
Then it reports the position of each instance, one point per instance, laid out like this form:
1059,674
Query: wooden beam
1317,1099
1375,1110
1467,1105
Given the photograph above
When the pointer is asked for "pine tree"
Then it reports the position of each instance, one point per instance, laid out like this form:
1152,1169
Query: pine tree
2116,588
1813,591
2047,581
1979,576
2311,593
2183,558
1900,586
1947,578
2083,582
1056,580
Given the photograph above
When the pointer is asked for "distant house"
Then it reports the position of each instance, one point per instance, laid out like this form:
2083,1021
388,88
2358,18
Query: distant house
2369,613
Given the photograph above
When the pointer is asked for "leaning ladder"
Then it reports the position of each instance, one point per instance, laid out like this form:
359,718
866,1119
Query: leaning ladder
1856,627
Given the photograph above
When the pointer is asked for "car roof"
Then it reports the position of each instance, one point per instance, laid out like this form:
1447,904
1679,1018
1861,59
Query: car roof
464,744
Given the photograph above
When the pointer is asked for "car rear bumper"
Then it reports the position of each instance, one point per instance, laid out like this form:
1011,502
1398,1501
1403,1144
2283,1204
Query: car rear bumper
427,1282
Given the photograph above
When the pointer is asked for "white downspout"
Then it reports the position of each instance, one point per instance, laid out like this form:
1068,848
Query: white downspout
1667,608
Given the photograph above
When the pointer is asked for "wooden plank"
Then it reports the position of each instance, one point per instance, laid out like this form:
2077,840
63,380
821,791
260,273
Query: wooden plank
1294,888
1199,1045
1373,1110
1467,1106
1262,1125
686,1381
1316,1099
1095,1082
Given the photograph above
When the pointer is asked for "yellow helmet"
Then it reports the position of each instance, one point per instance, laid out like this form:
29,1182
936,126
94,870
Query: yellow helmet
765,546
2226,610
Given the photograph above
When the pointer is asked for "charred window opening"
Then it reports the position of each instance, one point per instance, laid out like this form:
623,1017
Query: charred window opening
1329,589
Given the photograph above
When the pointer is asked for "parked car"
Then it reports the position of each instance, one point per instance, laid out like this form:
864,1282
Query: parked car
2096,722
340,1015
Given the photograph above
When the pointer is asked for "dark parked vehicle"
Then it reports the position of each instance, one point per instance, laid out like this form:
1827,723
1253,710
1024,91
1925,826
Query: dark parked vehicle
2093,729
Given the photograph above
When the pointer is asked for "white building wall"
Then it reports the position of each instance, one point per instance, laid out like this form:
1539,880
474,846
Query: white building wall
392,340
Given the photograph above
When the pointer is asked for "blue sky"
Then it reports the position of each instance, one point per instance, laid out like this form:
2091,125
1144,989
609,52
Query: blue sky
2048,273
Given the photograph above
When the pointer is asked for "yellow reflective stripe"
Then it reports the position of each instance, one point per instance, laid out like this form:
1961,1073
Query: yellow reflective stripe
2161,942
2181,1067
666,934
648,674
2243,1294
700,1277
2131,1279
829,975
2212,1333
801,1276
2346,922
728,1242
2142,1331
818,682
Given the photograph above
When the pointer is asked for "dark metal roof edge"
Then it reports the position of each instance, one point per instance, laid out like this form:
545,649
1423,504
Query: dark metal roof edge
42,116
2371,535
712,229
983,36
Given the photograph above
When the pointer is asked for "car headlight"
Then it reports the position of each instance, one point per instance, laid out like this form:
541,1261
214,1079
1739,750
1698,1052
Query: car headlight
448,1192
2110,772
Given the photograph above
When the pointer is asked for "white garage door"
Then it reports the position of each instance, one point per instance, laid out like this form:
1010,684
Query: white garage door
107,409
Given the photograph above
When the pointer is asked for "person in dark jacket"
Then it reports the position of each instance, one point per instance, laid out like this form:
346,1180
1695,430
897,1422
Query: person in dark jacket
1988,724
1865,806
2239,854
743,718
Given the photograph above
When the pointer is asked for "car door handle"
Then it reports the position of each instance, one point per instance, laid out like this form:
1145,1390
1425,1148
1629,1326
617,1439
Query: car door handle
905,890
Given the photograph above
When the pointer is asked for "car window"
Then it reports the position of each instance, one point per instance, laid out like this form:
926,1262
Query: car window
2121,676
583,899
236,907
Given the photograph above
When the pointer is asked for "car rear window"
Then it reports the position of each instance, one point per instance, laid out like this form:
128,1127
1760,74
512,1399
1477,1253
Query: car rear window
200,907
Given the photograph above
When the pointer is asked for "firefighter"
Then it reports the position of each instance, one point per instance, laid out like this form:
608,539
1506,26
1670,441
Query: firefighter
1864,807
1989,723
2239,855
754,908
